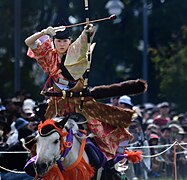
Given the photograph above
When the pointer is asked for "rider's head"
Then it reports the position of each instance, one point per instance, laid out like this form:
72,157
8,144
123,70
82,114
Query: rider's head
63,34
62,40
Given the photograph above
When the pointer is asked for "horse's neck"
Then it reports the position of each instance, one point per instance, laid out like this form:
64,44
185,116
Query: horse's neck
73,154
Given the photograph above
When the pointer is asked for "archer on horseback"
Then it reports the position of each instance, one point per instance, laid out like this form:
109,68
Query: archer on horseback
66,63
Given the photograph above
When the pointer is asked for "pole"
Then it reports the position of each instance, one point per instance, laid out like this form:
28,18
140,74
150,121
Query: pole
145,50
175,161
17,42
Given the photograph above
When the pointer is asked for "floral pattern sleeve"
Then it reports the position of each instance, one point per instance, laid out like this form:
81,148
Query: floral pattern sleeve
42,53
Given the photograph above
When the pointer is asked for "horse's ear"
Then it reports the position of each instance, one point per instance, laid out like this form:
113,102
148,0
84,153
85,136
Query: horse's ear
62,122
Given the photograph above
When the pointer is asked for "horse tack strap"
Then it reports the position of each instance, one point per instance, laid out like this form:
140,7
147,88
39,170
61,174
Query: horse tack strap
52,123
69,140
79,157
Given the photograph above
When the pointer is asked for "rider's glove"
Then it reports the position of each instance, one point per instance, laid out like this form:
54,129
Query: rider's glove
89,28
50,31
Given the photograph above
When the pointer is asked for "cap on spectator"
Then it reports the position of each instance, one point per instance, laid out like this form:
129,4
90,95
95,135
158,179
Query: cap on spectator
152,126
125,100
148,106
28,105
153,136
163,104
176,126
20,122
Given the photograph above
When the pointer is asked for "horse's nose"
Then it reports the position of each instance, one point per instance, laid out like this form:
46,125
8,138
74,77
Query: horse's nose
41,167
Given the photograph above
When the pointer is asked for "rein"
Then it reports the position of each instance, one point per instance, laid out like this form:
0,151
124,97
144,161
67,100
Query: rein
79,157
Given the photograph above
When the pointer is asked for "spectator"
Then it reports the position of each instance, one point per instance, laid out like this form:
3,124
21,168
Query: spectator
4,130
28,108
182,158
163,118
165,139
151,128
114,101
125,102
175,129
155,164
141,169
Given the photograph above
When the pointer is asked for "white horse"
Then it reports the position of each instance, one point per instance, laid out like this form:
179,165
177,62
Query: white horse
60,154
53,147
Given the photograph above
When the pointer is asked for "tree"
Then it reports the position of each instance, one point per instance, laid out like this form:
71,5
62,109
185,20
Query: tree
171,64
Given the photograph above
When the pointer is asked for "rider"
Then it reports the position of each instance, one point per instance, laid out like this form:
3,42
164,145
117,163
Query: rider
66,63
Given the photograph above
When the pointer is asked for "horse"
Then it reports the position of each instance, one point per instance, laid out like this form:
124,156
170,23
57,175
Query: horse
59,153
63,152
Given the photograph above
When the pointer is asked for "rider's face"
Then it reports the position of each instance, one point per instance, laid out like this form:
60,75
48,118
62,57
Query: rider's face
62,45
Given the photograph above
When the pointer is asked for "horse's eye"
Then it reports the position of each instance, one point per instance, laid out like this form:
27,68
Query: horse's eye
56,141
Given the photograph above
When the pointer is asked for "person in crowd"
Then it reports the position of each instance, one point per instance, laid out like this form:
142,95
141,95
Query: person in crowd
163,118
138,138
4,130
28,114
151,128
176,130
141,169
182,119
182,158
165,139
125,102
114,101
155,164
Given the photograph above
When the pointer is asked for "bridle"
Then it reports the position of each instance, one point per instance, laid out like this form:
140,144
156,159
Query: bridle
65,145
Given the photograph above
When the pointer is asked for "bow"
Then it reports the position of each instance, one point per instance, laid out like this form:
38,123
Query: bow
86,5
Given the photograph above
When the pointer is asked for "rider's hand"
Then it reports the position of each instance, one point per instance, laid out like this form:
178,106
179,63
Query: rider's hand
89,28
50,31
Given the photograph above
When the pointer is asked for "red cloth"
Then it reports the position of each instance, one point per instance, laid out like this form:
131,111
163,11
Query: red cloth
46,57
108,137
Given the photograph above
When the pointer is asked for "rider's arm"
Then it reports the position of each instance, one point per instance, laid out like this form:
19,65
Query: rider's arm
31,40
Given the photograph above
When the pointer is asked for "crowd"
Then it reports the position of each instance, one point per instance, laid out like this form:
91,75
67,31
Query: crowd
155,127
152,126
17,123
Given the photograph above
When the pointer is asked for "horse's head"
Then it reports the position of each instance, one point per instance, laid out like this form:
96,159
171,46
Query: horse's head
49,144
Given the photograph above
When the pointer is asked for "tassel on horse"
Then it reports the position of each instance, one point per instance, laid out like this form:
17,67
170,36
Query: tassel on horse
133,156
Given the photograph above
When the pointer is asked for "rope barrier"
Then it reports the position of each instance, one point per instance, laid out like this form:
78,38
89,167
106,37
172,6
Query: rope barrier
180,144
156,146
181,152
139,147
14,152
155,155
13,171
